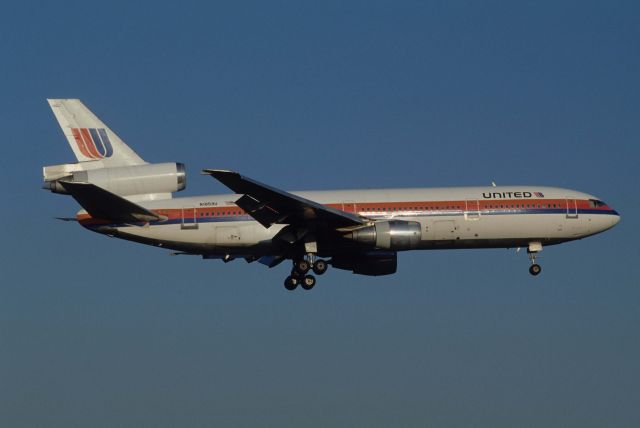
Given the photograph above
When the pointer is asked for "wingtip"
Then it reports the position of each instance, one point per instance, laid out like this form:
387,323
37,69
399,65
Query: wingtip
66,218
218,172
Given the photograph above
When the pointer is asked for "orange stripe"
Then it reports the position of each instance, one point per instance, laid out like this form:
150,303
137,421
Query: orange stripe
80,143
89,143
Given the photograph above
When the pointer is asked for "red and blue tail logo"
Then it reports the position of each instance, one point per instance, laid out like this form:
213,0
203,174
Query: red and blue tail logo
538,194
93,142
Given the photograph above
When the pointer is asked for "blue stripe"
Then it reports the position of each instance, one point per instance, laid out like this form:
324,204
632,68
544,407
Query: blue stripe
105,142
96,142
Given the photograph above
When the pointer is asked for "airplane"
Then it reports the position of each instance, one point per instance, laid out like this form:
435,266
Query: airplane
362,230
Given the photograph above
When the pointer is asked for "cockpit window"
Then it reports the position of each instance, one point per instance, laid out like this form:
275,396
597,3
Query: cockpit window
594,203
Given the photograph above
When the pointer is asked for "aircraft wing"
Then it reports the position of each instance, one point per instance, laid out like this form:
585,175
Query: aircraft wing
102,204
269,205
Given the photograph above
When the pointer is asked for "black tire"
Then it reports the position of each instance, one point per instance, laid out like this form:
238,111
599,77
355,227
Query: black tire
535,269
320,267
291,283
301,266
308,282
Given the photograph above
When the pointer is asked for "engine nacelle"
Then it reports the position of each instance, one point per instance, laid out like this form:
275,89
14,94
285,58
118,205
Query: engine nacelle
373,264
129,180
389,235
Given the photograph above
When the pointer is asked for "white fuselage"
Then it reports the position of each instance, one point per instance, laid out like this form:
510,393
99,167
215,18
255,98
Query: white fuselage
463,217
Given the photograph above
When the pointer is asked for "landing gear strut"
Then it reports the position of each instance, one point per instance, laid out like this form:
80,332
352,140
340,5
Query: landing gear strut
533,250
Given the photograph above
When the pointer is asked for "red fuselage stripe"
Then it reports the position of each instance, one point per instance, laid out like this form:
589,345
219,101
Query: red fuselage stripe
375,208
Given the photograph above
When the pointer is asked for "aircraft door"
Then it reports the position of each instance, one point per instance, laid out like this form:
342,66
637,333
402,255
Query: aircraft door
189,218
472,209
349,206
572,208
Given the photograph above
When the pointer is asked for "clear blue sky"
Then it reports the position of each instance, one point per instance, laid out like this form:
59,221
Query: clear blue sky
100,332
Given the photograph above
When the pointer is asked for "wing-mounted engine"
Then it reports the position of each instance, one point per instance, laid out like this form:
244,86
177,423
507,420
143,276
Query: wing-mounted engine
147,181
388,235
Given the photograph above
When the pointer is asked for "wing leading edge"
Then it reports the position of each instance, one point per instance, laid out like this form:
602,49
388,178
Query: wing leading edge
269,205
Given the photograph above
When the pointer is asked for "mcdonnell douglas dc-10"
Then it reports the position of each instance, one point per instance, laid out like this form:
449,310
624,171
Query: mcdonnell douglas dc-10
358,230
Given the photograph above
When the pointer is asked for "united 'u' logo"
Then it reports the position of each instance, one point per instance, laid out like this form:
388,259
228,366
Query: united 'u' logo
93,142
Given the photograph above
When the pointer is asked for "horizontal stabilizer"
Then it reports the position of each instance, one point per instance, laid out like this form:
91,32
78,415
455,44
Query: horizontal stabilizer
102,204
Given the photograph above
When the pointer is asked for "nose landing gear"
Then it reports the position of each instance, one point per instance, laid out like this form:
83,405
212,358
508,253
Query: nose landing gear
532,251
535,269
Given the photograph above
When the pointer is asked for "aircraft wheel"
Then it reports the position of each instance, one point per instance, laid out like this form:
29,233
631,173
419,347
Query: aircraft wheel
308,282
301,266
535,269
320,267
290,283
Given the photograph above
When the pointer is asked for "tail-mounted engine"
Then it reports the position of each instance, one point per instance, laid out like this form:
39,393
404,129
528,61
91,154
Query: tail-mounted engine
146,179
388,235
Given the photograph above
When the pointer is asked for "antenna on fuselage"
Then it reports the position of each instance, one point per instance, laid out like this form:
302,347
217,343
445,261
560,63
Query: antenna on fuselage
493,183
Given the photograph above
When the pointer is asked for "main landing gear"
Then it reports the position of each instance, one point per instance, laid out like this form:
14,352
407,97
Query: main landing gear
299,273
533,250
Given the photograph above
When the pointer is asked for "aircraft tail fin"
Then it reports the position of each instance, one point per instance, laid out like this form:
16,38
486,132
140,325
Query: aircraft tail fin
90,139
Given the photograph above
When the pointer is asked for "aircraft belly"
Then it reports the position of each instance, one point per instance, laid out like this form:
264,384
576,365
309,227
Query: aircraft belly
515,226
437,232
207,236
240,234
493,230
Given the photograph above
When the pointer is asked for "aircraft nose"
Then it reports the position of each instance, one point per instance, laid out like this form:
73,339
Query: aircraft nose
616,218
